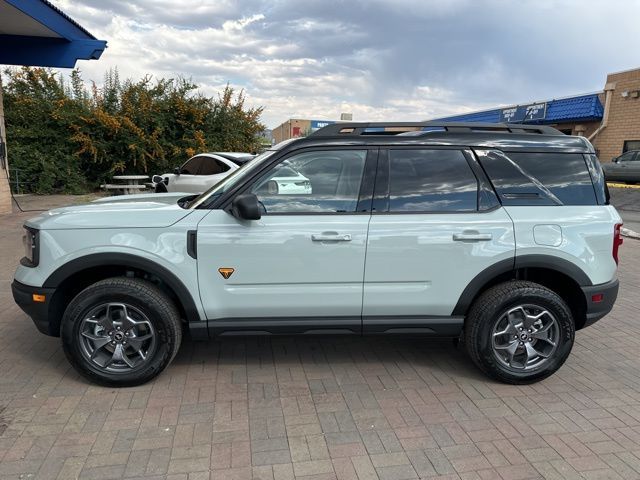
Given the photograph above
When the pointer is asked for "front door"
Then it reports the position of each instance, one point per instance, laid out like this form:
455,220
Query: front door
432,231
622,169
300,267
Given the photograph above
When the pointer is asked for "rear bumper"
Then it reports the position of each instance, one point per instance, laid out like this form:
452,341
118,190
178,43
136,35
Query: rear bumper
598,309
38,311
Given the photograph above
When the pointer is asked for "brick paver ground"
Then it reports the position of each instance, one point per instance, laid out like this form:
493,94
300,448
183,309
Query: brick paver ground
321,408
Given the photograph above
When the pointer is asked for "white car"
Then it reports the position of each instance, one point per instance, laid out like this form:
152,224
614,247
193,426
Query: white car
289,182
201,172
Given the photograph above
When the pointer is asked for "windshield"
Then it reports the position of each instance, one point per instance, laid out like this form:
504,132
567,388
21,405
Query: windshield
228,182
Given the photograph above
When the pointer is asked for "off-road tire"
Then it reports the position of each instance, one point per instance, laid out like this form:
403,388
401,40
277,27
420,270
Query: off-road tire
147,298
492,304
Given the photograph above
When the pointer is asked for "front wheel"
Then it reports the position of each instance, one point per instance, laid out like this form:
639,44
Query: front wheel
121,332
519,332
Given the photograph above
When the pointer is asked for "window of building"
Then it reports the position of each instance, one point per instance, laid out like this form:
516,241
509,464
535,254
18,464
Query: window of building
631,145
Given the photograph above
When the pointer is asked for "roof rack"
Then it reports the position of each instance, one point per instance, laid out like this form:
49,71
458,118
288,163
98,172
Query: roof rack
352,129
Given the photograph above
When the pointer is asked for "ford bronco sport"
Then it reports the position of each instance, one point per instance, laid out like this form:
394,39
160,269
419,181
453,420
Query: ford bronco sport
498,234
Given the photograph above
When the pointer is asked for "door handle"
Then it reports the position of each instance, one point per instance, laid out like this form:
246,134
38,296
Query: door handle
330,237
472,237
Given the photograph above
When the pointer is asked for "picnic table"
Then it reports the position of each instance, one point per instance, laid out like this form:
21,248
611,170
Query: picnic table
131,183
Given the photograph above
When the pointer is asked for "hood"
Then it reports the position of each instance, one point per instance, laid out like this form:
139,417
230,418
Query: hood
155,210
167,198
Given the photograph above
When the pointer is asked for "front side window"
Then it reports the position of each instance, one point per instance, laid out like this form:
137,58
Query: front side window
627,157
191,166
431,181
212,166
326,181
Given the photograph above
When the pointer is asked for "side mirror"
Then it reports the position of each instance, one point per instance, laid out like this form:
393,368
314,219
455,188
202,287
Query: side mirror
176,170
246,207
157,179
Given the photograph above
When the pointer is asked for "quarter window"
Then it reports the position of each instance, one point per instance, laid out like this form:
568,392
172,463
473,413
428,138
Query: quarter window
326,181
564,174
431,181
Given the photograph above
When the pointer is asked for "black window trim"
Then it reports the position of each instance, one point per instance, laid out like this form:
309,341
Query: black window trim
365,195
600,188
381,197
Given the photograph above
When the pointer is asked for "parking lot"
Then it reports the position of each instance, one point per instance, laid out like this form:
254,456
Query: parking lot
321,407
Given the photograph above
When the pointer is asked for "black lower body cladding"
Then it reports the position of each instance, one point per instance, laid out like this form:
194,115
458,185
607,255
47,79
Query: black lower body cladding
600,300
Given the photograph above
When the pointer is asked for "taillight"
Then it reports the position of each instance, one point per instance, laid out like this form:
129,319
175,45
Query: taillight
617,240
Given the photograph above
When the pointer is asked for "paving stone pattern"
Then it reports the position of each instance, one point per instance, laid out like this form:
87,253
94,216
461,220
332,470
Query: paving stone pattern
321,408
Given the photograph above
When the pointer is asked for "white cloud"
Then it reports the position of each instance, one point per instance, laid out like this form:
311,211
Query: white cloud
400,60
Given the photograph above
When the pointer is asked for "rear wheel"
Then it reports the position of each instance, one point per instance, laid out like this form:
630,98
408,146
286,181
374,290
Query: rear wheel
121,332
519,332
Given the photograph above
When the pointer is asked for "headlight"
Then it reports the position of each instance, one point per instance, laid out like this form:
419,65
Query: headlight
31,247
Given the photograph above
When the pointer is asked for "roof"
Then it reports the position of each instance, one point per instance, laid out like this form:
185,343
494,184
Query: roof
581,108
37,33
506,137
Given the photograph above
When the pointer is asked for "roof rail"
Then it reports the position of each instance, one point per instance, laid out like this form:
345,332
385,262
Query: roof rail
354,129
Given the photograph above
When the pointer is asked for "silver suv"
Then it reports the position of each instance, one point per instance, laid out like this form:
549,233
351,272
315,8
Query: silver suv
500,235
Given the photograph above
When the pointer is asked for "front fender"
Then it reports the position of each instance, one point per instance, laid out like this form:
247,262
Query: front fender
127,260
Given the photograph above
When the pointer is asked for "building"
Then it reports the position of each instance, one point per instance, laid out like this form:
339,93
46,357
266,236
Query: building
37,33
610,119
295,127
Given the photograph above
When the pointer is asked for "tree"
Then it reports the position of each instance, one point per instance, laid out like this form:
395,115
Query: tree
80,138
37,114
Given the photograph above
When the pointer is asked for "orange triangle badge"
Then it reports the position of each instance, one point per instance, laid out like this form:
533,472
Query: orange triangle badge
226,272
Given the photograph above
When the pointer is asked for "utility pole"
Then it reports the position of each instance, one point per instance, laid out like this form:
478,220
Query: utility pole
5,188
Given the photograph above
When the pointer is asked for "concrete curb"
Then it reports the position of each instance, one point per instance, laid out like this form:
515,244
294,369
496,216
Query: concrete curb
629,233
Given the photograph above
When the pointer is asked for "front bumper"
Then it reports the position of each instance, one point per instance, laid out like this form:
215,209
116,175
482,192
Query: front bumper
598,309
38,311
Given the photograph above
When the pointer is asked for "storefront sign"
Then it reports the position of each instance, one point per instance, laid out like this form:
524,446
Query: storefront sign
524,113
316,124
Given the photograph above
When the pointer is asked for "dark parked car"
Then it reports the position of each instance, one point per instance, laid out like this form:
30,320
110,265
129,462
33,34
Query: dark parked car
625,168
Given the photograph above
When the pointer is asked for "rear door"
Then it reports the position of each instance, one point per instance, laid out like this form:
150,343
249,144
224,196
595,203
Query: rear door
622,168
435,225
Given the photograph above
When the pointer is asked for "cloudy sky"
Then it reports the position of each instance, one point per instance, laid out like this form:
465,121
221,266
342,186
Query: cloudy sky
379,59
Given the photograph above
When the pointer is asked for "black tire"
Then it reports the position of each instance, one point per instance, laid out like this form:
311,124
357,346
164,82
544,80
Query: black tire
488,310
140,296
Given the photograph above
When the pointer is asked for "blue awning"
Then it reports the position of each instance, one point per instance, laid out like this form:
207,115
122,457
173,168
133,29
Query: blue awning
581,108
36,33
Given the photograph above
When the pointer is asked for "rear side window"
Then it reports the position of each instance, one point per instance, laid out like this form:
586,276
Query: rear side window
539,178
431,181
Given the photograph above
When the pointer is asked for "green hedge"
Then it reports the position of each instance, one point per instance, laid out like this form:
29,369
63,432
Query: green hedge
65,138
